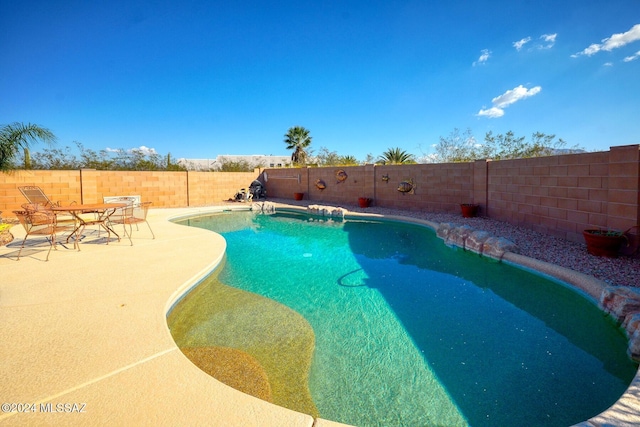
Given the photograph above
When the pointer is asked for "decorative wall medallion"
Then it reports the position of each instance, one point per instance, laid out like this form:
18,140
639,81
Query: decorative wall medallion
385,178
341,175
320,185
406,187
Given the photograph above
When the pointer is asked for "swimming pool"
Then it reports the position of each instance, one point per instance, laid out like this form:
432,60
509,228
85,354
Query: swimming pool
378,323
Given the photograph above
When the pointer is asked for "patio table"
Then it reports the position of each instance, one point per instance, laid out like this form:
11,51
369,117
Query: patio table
102,213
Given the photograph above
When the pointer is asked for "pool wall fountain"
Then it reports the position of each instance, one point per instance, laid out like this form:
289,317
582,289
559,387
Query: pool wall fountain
263,207
329,211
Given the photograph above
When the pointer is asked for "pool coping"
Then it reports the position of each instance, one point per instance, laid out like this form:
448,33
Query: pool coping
90,328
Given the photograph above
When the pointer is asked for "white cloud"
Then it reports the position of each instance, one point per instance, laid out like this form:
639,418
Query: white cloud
492,112
514,95
549,39
608,64
613,42
484,57
518,45
632,57
144,149
509,97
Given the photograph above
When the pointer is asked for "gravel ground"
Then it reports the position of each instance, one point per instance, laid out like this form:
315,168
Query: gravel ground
624,271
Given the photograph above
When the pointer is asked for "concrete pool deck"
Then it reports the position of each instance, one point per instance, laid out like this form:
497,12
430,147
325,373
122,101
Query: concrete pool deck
84,337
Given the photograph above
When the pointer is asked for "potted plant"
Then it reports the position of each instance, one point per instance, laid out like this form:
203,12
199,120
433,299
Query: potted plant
603,242
364,202
5,234
469,210
298,196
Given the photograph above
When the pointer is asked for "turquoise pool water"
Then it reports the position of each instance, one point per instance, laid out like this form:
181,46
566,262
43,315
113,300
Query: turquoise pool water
411,332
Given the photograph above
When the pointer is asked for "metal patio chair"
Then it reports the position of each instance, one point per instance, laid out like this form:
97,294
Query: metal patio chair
39,200
35,195
133,213
42,223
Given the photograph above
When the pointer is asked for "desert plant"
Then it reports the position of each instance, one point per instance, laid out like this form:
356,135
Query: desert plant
17,135
396,156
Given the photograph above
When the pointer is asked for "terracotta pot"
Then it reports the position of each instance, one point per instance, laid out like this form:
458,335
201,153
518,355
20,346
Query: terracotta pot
364,202
631,247
601,243
469,210
298,196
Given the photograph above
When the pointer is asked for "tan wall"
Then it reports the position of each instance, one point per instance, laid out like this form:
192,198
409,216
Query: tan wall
563,195
206,188
282,183
559,195
164,189
63,186
436,187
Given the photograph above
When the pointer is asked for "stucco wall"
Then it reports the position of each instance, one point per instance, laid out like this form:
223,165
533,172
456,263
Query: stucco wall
164,189
559,195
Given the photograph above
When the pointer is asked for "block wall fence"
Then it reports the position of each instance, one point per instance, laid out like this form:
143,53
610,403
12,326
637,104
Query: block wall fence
558,195
164,189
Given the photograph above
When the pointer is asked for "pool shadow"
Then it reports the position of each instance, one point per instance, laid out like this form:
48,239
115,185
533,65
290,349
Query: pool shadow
378,247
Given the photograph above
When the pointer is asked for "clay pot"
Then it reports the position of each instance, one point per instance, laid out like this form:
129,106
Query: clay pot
603,243
364,202
469,210
298,196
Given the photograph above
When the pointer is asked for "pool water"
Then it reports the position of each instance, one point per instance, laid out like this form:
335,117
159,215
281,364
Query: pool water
387,326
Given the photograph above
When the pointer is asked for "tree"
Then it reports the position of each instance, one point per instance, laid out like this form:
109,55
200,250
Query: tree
297,139
55,159
135,159
396,156
327,158
235,166
16,136
459,147
349,161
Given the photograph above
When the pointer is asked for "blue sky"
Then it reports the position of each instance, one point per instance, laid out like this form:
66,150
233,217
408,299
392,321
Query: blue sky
203,78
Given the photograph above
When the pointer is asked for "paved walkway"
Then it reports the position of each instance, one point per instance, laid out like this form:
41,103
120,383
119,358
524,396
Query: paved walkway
84,338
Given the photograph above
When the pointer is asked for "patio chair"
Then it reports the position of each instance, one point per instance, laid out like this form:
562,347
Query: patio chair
61,219
133,213
35,195
42,223
39,200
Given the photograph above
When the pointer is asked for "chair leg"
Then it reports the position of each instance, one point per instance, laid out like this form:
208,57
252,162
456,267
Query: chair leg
22,247
124,226
52,244
149,225
78,233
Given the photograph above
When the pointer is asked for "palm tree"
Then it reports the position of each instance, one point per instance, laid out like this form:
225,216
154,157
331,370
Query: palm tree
18,135
349,161
396,156
297,139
